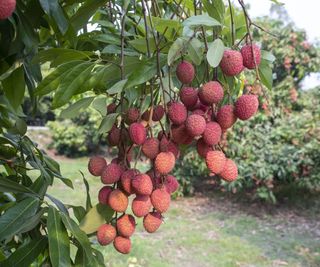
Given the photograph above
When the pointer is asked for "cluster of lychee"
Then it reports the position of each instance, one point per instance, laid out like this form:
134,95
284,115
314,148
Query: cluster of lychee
197,117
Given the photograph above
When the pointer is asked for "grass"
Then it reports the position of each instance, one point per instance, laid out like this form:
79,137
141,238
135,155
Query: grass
209,231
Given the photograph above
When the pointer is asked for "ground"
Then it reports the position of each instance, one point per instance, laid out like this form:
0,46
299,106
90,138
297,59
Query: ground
213,229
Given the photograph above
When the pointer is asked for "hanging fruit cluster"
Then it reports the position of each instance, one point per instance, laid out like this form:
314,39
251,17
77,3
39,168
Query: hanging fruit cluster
197,117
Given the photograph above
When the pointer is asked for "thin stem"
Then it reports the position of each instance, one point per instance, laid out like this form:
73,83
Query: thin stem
232,23
146,26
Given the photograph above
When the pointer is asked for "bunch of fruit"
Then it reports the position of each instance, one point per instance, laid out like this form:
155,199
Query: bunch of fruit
196,117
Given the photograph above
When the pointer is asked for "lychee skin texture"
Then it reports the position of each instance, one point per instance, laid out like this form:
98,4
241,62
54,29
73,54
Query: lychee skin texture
104,194
169,146
231,63
226,117
138,133
177,113
212,133
160,199
111,108
215,161
211,93
150,148
164,162
106,234
132,115
180,135
122,244
189,97
246,106
114,136
96,165
203,148
195,125
248,59
185,72
230,171
142,184
6,8
152,222
141,205
118,200
126,179
111,173
158,113
171,184
126,225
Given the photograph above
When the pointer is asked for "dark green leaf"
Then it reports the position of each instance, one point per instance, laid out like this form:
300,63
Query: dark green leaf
21,126
107,123
58,203
215,53
201,20
8,185
33,221
195,51
175,50
88,199
79,212
73,109
100,105
117,87
265,72
215,9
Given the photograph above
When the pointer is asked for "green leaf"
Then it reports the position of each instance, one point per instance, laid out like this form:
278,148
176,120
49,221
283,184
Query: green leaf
13,220
14,87
114,49
98,215
265,72
100,104
59,244
107,123
201,20
58,203
175,50
107,39
215,53
26,254
140,44
267,56
88,199
79,212
21,126
215,9
8,185
73,110
195,51
32,222
117,87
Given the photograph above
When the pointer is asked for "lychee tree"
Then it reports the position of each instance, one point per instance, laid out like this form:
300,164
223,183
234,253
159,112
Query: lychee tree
163,75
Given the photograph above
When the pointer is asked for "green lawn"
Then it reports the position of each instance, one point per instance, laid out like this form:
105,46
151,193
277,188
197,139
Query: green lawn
209,231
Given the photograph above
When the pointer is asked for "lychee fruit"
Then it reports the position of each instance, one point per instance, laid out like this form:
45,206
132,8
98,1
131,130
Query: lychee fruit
215,161
231,63
212,133
137,133
169,146
247,55
141,205
142,184
150,147
145,115
189,97
160,199
158,113
246,106
152,222
122,244
111,108
126,225
114,136
111,173
171,184
164,162
6,8
230,171
185,72
126,179
106,234
118,200
180,135
226,117
211,93
203,148
96,165
132,115
103,194
195,125
177,113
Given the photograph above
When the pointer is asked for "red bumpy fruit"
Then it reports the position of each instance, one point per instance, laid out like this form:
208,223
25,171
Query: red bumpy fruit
126,225
185,72
195,124
248,59
177,113
164,162
230,171
118,200
6,8
122,244
226,117
246,106
106,234
231,63
138,133
211,93
141,205
96,165
152,222
215,161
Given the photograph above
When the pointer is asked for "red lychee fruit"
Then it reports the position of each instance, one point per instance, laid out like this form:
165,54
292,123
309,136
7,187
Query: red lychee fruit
195,125
145,115
126,225
150,147
189,97
247,55
152,222
171,184
212,133
158,113
111,173
138,133
230,171
114,136
231,63
6,8
185,72
203,148
106,234
132,115
169,146
211,93
246,106
118,200
141,205
180,135
226,117
111,108
129,153
126,179
198,112
122,244
215,161
165,162
142,184
96,165
160,199
104,194
177,113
